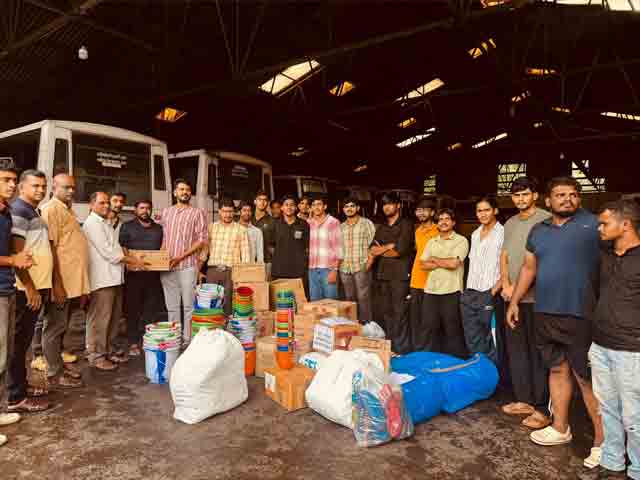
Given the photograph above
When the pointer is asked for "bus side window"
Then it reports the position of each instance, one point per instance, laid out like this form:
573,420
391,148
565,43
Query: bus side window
212,186
61,157
158,173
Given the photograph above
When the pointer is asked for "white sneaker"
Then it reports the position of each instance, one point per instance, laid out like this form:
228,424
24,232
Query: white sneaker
593,460
549,436
3,439
9,419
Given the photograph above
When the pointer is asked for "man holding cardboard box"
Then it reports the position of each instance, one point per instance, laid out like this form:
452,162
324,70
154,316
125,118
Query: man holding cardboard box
143,294
228,245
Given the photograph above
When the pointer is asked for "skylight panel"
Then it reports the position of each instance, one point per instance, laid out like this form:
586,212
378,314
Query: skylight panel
342,88
491,140
621,116
290,77
454,146
408,122
521,97
540,72
422,90
170,115
561,109
416,138
482,49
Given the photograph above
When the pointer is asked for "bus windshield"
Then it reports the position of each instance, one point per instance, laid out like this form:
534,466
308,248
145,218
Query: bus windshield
239,181
111,165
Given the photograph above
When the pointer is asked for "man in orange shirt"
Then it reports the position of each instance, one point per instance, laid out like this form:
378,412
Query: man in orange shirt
426,229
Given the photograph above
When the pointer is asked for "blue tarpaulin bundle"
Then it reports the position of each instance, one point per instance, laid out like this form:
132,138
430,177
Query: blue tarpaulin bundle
444,383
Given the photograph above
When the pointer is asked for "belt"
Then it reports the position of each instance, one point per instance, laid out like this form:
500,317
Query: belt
220,268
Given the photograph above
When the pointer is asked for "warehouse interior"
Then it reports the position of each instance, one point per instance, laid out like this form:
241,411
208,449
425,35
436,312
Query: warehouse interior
433,96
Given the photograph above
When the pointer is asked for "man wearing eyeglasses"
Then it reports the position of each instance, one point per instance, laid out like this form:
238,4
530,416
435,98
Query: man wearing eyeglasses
357,235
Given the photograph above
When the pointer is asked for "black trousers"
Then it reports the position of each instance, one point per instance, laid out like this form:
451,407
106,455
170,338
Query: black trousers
395,313
442,324
529,376
420,340
25,326
144,301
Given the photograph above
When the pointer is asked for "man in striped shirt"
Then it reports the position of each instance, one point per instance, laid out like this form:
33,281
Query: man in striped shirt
483,281
357,235
185,235
325,251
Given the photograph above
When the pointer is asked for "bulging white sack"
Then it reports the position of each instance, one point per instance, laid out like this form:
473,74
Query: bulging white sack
208,378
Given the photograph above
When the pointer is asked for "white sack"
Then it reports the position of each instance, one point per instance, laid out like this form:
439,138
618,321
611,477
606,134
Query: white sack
330,391
208,378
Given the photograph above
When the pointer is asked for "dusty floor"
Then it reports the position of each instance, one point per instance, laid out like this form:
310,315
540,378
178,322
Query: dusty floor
121,427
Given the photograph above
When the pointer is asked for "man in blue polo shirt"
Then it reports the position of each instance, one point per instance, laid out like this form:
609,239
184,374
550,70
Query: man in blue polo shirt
562,253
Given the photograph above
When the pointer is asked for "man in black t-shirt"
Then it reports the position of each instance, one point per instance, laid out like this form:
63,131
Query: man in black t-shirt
143,293
290,241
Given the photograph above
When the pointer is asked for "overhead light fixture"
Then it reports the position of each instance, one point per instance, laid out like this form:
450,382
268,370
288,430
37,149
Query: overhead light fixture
484,47
83,53
454,146
616,5
521,97
561,109
290,77
299,152
492,3
622,116
491,140
342,88
408,122
538,124
540,72
361,168
416,138
422,90
624,5
170,115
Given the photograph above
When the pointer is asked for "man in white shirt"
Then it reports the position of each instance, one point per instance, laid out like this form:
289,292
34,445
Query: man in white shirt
483,281
106,276
256,241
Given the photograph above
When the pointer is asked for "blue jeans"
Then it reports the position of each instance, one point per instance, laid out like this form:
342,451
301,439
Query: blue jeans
615,377
319,287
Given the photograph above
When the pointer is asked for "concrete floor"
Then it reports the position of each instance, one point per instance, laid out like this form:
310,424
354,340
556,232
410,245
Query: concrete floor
121,427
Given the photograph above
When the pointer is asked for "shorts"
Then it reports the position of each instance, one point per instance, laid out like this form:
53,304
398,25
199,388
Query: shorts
562,337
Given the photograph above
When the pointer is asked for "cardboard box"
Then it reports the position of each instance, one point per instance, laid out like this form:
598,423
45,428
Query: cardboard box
379,346
248,272
302,347
266,321
265,354
303,325
294,284
158,260
333,308
287,387
260,294
334,334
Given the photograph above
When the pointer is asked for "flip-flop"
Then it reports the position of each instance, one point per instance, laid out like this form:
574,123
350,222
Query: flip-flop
72,372
28,405
518,408
536,421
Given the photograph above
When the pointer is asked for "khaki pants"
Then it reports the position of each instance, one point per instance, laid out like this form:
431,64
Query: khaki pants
55,325
7,329
103,319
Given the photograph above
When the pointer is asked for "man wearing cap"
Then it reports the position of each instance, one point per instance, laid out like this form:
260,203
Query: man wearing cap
390,251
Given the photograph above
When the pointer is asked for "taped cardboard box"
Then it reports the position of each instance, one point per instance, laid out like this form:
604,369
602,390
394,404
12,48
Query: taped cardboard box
265,354
287,387
334,334
333,308
156,260
260,294
248,272
265,320
379,346
294,284
303,325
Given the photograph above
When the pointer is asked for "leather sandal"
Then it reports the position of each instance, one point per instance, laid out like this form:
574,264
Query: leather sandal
28,405
105,364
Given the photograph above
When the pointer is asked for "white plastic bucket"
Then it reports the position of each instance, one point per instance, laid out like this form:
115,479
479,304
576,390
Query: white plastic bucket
158,364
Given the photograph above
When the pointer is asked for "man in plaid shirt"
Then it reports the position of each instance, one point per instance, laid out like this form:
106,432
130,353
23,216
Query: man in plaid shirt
228,244
325,251
357,235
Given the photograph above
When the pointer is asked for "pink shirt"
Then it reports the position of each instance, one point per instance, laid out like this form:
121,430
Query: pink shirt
182,228
325,243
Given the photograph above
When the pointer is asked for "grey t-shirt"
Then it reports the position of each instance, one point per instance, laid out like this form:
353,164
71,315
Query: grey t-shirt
516,232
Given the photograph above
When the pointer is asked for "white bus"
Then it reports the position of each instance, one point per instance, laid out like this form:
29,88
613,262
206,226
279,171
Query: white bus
100,157
217,174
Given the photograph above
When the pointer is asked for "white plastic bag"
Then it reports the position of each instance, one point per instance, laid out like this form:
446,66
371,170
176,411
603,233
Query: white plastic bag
208,378
331,389
379,412
373,330
313,360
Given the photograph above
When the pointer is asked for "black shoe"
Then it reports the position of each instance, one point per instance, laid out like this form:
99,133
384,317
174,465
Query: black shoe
604,474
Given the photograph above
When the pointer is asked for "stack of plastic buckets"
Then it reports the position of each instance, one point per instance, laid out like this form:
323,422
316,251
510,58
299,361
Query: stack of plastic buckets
207,311
285,306
243,325
161,343
209,295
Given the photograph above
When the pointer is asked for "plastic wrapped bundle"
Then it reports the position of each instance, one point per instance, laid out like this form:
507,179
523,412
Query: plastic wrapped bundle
378,409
